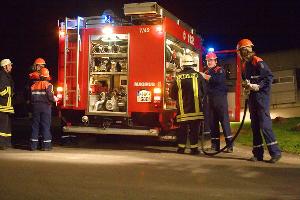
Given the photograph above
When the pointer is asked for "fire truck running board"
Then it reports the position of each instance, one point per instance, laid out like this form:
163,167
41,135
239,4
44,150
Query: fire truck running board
110,131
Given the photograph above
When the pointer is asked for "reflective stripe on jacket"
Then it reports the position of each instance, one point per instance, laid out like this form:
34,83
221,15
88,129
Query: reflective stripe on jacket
5,134
42,92
6,92
188,91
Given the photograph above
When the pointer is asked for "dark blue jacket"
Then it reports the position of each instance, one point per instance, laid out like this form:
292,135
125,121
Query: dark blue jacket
216,84
258,72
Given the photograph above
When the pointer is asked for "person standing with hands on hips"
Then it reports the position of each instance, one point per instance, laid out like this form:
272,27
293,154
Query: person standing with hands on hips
217,102
258,80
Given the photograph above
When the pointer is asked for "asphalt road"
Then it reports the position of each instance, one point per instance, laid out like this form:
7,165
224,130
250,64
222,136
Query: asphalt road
118,168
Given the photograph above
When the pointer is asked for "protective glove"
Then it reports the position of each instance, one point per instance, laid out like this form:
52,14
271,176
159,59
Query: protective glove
205,76
254,87
245,83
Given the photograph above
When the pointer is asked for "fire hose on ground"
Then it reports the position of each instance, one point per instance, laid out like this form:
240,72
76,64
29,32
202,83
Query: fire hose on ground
233,139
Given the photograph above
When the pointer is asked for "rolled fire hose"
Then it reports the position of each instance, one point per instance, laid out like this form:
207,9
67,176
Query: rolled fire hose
233,139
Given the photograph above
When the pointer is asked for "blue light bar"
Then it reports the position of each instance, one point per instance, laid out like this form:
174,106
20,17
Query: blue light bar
211,49
108,19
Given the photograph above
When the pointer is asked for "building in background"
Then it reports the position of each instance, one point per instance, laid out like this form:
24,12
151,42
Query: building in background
285,66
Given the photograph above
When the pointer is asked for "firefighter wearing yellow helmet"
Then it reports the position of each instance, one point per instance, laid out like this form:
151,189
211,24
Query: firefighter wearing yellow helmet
258,78
6,91
188,91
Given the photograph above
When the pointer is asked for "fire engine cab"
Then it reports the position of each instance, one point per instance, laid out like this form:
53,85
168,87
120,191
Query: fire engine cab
114,75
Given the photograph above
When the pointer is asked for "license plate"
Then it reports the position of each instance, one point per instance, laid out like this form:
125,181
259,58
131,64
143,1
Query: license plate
144,96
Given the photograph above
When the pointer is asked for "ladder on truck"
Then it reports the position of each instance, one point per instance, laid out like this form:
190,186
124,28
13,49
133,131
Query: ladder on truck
72,48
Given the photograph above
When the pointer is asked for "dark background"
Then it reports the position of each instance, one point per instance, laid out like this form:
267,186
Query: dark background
29,28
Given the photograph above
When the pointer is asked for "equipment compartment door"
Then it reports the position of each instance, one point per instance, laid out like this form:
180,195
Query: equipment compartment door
174,51
108,74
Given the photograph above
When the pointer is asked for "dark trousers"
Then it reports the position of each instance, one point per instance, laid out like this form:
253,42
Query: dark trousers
261,123
41,123
218,113
5,130
191,129
206,115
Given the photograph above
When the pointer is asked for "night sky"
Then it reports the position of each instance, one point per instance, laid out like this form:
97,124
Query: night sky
29,28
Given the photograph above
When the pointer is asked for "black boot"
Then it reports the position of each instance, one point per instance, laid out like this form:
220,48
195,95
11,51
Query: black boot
180,150
274,159
195,151
229,150
255,159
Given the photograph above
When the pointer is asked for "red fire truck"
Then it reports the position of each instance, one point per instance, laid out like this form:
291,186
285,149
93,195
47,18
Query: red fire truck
114,75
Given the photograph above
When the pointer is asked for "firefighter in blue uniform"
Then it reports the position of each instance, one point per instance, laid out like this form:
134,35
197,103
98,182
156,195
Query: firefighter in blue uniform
188,91
34,76
41,98
6,108
258,79
217,101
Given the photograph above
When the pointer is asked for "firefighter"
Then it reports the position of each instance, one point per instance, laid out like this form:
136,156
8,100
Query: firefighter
188,91
217,102
41,98
34,76
6,108
38,64
258,78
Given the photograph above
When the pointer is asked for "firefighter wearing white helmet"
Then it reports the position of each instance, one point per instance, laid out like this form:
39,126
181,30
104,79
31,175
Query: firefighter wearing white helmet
187,61
188,91
6,92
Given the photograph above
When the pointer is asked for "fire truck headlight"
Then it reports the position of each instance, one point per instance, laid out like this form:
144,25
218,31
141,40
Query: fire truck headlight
157,95
156,98
59,89
107,30
157,91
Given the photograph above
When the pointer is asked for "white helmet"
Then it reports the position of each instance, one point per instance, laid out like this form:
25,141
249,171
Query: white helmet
187,60
5,62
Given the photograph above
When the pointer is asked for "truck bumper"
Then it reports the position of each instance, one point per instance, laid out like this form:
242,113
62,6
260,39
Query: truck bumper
110,131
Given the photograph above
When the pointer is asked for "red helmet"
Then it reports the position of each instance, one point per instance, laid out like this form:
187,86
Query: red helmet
244,43
45,72
211,56
39,61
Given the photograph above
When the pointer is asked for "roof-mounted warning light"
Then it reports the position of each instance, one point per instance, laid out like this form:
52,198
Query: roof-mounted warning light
210,49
